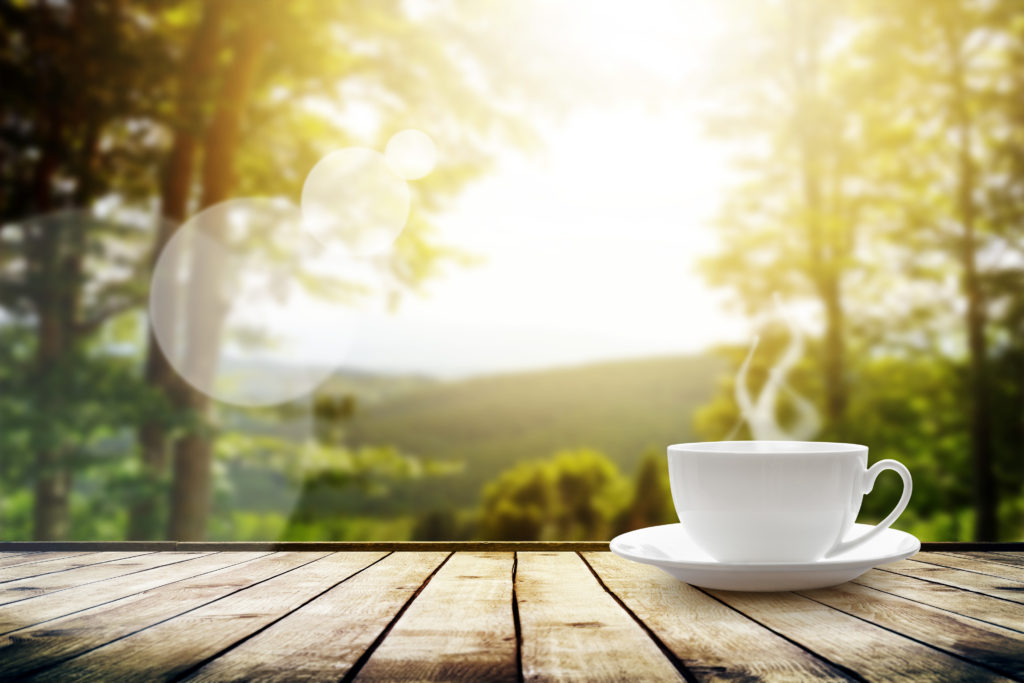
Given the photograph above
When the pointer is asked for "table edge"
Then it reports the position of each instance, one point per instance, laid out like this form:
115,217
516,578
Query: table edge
449,546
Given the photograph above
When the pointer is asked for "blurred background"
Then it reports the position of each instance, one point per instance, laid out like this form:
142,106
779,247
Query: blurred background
622,193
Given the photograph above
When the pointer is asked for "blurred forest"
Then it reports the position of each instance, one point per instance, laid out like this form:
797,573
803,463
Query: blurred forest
880,167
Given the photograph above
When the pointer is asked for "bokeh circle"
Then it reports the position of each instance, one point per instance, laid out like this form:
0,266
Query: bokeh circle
411,154
352,197
247,307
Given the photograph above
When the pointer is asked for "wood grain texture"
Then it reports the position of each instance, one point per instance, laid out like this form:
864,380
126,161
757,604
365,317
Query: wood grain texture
30,649
311,546
871,651
309,615
15,559
702,632
979,565
997,648
992,610
460,627
62,564
83,576
1014,559
573,629
323,640
53,605
1007,589
172,648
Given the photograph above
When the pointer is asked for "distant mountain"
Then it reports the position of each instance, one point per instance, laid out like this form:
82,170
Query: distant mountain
622,408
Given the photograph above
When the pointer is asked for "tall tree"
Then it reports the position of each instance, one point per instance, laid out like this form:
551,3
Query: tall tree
376,54
792,227
190,496
945,80
63,148
196,75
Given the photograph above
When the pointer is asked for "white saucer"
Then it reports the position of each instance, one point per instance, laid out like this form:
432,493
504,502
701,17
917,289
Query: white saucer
668,547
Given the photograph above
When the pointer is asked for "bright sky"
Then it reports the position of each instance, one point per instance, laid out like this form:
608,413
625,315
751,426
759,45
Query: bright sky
590,246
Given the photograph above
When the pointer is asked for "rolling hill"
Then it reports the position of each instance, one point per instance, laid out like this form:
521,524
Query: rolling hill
488,423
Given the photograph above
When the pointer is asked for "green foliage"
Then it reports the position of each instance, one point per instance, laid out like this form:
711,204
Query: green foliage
881,178
574,496
651,504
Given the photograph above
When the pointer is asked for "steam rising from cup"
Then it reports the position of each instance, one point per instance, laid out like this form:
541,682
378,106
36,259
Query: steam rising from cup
760,413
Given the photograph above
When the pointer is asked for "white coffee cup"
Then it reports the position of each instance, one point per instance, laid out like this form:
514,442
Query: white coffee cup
775,501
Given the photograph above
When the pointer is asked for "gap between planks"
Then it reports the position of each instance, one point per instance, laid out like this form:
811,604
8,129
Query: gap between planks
351,674
665,650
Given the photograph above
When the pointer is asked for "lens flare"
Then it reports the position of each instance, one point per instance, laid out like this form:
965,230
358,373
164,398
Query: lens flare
239,296
352,197
411,154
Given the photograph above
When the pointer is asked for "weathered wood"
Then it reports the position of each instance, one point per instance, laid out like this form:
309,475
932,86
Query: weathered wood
715,642
972,564
460,627
1006,589
976,605
572,628
871,651
324,639
31,649
73,578
314,546
310,615
995,647
1015,559
15,559
62,564
170,649
53,605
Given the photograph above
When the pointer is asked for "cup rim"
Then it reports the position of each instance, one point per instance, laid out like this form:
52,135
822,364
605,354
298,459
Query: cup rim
763,447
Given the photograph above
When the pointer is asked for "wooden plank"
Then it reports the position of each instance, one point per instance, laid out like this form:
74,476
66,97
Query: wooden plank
1013,559
170,649
89,546
958,578
15,559
59,564
324,639
992,610
714,641
312,546
995,647
53,605
972,564
871,651
36,648
460,627
973,546
571,628
24,589
397,546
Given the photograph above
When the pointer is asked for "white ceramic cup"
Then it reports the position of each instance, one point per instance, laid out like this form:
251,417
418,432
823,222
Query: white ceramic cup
775,501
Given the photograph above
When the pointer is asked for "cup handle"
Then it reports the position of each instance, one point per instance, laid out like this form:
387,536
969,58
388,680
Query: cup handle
869,483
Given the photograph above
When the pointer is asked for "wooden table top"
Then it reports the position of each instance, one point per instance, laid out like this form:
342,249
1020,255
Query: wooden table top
482,614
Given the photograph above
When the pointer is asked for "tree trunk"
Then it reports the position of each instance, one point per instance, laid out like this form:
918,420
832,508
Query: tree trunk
825,248
53,482
192,488
174,193
986,526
